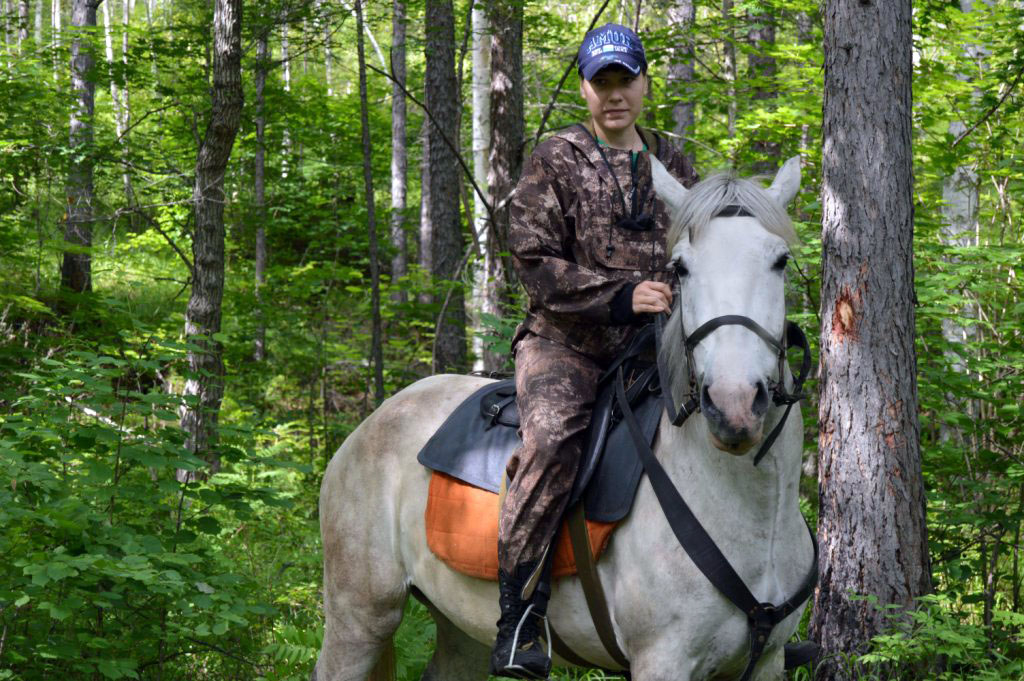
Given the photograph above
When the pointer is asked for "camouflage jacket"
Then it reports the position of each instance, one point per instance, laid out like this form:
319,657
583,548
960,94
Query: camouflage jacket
567,250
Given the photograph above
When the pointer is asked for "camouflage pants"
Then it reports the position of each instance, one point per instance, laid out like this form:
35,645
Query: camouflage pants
556,388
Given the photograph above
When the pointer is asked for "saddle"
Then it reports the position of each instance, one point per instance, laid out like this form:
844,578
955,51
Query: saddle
469,451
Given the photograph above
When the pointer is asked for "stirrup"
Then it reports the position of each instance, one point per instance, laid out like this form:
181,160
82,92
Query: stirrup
515,637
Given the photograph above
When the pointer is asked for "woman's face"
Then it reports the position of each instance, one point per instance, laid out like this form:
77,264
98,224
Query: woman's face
614,97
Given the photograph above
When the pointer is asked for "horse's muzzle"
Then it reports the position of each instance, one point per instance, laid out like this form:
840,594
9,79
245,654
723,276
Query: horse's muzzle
735,414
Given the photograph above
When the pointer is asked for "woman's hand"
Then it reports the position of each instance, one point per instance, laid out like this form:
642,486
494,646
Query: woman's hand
652,297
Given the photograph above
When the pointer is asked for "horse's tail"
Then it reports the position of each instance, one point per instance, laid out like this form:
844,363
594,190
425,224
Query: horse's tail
384,670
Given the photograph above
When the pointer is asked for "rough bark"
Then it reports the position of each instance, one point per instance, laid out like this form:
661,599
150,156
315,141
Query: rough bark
376,351
259,197
681,15
76,267
871,526
399,150
442,98
205,383
762,70
508,141
482,303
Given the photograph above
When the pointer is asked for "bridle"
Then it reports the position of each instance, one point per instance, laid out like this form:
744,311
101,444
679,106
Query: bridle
792,336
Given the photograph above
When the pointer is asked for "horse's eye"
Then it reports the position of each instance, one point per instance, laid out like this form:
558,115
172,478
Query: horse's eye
680,268
780,263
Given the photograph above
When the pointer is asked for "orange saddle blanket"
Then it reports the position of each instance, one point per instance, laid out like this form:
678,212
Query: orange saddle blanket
462,530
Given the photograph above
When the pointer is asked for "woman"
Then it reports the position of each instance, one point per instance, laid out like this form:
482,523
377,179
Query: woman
588,242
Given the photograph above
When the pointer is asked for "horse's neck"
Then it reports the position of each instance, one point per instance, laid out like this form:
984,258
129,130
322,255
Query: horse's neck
727,489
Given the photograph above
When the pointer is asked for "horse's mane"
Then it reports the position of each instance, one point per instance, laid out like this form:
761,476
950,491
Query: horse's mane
721,190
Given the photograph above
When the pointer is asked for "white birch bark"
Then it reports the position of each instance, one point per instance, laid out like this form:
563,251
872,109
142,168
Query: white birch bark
38,32
399,150
286,75
729,65
481,301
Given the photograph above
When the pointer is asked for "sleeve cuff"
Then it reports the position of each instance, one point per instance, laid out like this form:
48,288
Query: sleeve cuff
622,306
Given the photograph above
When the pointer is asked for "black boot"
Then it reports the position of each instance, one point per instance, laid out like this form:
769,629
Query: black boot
518,651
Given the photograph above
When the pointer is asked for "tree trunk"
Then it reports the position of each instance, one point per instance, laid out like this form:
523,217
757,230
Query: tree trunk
205,383
22,22
38,25
376,351
76,268
55,24
481,147
119,97
681,15
762,69
508,140
286,74
729,65
871,525
399,152
442,100
259,198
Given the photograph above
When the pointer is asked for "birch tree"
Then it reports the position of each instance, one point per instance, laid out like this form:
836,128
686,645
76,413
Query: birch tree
76,267
259,193
399,152
871,526
204,387
481,49
681,15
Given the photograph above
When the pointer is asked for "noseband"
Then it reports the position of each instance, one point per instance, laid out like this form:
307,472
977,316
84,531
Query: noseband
792,337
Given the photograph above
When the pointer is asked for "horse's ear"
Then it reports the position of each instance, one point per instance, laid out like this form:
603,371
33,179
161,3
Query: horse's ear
667,187
786,183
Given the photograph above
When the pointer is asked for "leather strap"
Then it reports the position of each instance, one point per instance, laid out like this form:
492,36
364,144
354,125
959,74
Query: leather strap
705,554
563,650
597,603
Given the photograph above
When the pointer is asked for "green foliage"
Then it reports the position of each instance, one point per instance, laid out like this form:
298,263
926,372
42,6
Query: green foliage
114,569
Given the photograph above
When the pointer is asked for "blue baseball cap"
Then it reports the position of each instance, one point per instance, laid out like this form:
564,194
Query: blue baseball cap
611,44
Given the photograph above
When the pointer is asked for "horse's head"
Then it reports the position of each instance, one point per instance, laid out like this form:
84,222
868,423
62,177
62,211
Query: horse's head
729,241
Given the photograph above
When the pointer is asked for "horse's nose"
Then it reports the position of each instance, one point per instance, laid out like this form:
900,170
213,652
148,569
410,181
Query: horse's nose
761,400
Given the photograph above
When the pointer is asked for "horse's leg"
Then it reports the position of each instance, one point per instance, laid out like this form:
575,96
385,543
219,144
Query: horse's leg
365,585
457,657
357,631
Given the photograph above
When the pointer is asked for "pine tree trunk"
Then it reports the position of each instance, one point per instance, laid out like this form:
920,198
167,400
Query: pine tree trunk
871,526
259,198
399,151
681,15
203,314
762,69
76,268
508,140
442,100
482,302
376,350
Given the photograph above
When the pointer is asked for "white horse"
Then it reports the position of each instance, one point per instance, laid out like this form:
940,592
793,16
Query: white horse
668,619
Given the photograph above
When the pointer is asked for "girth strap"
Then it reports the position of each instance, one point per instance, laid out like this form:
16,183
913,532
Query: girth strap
586,569
709,559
